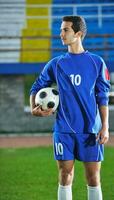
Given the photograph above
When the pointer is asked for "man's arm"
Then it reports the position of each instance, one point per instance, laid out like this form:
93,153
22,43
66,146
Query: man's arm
103,135
46,79
102,89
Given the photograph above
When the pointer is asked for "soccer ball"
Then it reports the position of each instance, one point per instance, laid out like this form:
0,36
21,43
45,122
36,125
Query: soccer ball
47,98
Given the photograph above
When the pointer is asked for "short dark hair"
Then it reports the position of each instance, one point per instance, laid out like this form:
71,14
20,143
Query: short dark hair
79,24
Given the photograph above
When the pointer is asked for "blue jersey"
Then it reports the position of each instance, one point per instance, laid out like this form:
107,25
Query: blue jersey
83,84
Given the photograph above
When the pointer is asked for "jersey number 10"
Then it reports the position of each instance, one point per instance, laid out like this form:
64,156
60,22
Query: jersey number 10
59,148
75,79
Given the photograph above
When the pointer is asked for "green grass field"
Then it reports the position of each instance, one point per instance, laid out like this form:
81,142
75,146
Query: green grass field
31,174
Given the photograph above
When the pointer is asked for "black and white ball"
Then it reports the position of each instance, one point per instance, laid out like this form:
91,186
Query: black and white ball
47,98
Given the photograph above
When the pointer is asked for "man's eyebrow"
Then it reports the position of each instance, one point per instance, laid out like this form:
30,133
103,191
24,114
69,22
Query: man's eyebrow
65,28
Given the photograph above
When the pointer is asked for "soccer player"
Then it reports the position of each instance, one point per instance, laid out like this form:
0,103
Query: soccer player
81,125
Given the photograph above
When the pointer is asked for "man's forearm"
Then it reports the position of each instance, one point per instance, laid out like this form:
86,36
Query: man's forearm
104,113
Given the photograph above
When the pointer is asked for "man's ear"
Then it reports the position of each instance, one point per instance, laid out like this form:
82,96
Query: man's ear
79,34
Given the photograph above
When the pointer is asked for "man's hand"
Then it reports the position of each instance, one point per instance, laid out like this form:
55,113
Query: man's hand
103,136
38,111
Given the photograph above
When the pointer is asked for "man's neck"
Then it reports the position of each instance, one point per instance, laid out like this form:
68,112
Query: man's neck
75,48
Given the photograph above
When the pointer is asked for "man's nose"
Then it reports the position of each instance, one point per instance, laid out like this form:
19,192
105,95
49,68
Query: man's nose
61,34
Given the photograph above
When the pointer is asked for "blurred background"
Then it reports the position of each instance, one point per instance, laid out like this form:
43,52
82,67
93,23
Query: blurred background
29,38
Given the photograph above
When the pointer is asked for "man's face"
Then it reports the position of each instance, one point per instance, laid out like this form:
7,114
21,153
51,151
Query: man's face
67,34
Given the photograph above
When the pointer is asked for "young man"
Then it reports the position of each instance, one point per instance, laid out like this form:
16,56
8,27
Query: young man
81,126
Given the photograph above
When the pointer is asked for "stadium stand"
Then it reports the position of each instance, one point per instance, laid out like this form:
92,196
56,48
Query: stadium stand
29,30
37,27
12,20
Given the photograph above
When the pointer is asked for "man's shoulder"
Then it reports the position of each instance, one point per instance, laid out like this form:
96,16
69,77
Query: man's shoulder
52,63
55,59
95,57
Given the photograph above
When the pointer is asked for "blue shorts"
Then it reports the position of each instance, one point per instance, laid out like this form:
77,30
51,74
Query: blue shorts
83,147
